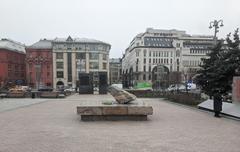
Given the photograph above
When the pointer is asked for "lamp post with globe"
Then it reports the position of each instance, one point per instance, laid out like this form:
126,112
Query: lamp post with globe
216,25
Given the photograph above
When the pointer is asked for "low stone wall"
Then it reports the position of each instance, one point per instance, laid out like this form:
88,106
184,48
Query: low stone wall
147,93
16,95
49,94
178,97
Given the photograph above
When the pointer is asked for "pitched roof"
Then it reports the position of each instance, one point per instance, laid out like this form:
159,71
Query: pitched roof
80,40
42,44
12,45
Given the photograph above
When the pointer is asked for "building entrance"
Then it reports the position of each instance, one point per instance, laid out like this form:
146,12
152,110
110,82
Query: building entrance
160,77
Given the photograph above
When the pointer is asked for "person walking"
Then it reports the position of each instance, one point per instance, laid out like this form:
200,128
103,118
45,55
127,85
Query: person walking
217,103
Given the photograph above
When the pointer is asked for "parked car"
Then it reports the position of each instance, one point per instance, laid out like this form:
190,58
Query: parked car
69,89
45,89
175,87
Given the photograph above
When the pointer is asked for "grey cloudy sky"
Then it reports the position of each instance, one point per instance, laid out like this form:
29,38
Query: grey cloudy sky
112,21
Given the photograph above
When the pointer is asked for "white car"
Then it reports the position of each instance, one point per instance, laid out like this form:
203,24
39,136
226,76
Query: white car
175,87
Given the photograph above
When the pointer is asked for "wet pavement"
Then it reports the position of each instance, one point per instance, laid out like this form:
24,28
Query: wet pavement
53,126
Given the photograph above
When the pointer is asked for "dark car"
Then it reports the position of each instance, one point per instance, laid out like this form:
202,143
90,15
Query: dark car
45,89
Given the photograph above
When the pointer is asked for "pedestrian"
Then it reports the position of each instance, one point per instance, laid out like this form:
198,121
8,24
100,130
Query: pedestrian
217,103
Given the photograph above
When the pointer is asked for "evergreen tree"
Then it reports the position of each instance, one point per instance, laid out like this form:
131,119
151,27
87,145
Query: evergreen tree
208,75
221,65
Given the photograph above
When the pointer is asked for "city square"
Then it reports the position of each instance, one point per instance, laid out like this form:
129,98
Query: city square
54,125
119,76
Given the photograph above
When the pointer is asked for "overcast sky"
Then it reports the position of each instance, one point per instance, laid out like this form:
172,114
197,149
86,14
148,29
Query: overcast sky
112,21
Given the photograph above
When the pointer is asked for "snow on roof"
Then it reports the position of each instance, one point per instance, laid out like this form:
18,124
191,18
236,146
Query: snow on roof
12,45
42,44
80,40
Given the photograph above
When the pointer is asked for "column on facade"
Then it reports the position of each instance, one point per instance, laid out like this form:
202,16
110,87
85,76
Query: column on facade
74,70
107,68
65,69
54,71
100,61
87,62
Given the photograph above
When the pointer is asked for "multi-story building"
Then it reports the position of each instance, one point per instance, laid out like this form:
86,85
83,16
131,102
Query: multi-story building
39,64
167,55
12,62
73,56
115,71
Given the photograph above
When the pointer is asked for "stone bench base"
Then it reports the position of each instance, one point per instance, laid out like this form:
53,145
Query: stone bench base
137,111
113,117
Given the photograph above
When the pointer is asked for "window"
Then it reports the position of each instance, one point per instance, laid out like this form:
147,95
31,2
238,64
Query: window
144,60
137,53
144,68
178,53
150,53
59,65
93,65
80,56
59,74
104,66
93,56
104,57
178,44
144,52
144,77
59,55
149,60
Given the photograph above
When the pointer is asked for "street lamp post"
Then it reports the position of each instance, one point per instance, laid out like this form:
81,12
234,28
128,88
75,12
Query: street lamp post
216,25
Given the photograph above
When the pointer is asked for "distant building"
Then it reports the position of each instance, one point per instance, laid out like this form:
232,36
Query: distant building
12,62
115,71
73,56
39,64
163,55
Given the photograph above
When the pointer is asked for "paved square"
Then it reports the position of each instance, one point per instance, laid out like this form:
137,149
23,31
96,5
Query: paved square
55,127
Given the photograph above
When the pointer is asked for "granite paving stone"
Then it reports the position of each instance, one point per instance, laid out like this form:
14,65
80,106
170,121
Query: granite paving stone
55,127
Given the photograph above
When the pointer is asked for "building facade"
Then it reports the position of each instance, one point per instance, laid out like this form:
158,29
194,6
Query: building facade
156,54
12,62
115,71
39,64
73,56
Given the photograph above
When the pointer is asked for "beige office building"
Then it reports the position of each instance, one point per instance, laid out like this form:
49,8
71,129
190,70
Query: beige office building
173,51
73,56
